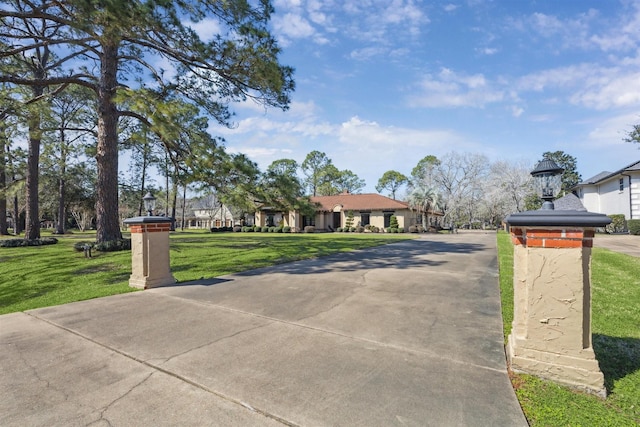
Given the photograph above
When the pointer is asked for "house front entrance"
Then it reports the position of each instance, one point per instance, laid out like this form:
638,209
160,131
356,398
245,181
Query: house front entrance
337,220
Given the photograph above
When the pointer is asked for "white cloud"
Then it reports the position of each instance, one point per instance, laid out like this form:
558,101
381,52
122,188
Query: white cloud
451,89
293,26
207,28
612,131
589,85
450,7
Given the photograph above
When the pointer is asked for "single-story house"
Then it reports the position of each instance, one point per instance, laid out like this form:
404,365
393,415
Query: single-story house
612,193
332,212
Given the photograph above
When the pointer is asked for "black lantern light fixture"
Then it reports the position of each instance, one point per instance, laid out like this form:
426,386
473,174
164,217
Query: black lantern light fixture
149,203
547,178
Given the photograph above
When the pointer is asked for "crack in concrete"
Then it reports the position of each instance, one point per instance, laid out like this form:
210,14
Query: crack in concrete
217,340
114,401
158,368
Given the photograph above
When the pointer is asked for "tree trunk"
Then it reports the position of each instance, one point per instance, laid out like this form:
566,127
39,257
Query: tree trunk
32,226
4,229
184,205
17,229
107,221
62,212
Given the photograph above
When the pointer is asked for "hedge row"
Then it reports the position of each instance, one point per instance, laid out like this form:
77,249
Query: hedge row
17,243
634,226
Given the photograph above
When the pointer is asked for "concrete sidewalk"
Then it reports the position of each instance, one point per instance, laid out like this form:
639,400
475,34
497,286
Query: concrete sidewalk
408,334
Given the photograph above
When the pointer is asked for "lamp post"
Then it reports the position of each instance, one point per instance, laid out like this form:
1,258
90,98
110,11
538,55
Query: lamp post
149,203
548,181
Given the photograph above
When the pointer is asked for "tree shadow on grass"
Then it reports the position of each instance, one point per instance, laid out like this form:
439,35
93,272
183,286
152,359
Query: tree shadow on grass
617,357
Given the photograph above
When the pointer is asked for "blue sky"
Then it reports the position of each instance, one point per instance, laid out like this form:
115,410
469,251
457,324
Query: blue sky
383,83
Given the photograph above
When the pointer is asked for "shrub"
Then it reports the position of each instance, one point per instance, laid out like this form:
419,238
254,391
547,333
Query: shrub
286,229
393,222
278,229
113,245
257,228
272,229
634,226
618,224
264,229
420,229
374,229
413,229
359,229
237,229
349,221
16,243
309,229
339,229
247,229
79,246
400,230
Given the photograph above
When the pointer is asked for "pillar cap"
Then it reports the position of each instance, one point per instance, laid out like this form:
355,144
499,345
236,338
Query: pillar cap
559,218
147,220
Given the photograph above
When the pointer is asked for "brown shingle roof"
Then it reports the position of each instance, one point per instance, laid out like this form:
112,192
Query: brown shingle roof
358,202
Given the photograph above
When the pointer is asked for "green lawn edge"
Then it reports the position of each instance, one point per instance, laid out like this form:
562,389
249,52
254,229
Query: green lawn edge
616,342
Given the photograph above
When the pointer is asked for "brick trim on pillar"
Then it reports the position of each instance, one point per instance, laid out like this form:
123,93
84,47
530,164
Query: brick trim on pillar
552,238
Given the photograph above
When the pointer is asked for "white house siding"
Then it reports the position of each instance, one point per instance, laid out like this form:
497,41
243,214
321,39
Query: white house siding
635,197
604,196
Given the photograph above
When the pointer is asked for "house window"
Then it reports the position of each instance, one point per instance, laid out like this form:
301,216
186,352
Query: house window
365,219
308,220
387,219
621,184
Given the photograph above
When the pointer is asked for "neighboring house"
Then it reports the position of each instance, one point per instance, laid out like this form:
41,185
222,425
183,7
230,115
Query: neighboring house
332,211
612,193
203,215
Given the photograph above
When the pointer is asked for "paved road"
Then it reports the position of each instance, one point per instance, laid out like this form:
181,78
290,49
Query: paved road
625,243
408,334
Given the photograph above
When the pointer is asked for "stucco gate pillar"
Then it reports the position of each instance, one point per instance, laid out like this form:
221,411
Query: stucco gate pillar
150,252
551,331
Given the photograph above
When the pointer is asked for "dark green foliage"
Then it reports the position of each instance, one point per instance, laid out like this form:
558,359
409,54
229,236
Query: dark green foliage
618,224
393,223
339,229
264,229
286,229
570,176
634,226
18,243
248,229
114,245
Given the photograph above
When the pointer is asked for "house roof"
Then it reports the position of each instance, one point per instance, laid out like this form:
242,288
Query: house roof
602,176
569,202
358,202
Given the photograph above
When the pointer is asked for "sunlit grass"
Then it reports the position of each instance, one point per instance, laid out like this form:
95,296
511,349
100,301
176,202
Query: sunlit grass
616,342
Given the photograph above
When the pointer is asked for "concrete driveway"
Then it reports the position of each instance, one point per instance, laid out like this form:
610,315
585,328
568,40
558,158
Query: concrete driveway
625,243
408,334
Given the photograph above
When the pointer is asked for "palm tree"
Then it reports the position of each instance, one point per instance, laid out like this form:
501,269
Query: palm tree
423,199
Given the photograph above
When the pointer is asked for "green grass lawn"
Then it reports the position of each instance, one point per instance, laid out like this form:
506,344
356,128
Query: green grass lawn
41,276
616,342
